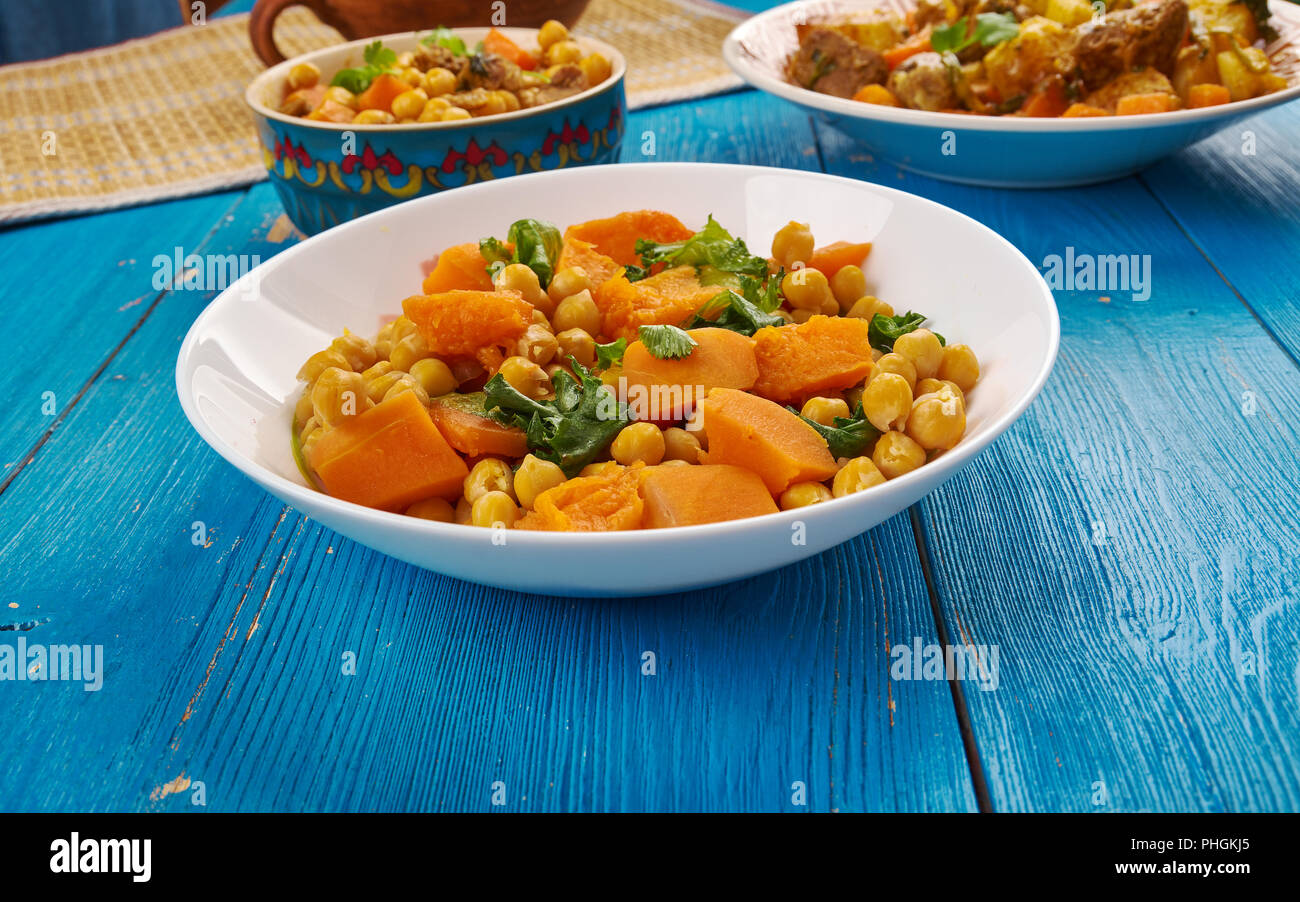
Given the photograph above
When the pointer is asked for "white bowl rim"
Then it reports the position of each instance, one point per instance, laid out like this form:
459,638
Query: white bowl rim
940,469
741,63
257,86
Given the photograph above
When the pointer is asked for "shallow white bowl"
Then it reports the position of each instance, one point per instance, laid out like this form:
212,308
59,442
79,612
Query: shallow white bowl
235,374
1001,151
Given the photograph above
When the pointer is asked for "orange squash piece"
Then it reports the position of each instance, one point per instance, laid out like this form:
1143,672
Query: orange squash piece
604,502
1083,110
332,111
666,298
824,353
465,323
1199,96
834,257
577,252
388,457
459,267
616,236
1141,104
721,358
498,43
472,434
708,493
747,431
1048,103
380,94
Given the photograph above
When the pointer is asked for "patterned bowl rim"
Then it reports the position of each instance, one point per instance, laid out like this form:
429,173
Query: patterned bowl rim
753,47
406,40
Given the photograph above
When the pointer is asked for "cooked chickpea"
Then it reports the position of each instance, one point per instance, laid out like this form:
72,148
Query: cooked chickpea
802,494
526,377
929,386
639,441
359,352
456,114
577,311
923,349
960,367
848,285
793,243
463,510
434,107
521,278
302,410
403,383
537,344
596,68
494,509
802,316
579,344
563,52
535,476
858,474
409,104
303,75
496,104
597,468
377,387
807,289
439,81
412,76
432,509
895,363
886,401
541,319
896,454
853,396
681,445
341,95
406,59
551,32
321,361
337,395
867,307
434,376
825,410
695,426
489,475
407,351
569,281
380,368
308,441
297,103
374,117
938,420
400,328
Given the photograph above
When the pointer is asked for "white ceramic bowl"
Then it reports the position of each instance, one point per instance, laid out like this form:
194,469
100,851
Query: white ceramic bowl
1001,151
235,374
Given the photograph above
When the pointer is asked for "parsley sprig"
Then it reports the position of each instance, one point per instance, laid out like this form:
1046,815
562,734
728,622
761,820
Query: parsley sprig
847,436
990,29
379,59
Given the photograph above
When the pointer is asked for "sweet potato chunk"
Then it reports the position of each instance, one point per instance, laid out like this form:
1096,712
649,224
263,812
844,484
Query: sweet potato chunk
460,266
616,237
388,457
583,254
666,298
709,493
721,358
826,352
601,503
747,431
461,323
461,421
834,257
381,93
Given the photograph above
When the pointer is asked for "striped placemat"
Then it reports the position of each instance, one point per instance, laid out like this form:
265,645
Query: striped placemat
164,116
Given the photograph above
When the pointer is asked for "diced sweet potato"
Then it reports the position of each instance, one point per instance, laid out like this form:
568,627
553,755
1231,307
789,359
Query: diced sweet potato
616,237
461,421
388,457
721,358
747,431
577,252
826,352
604,502
666,298
833,257
709,493
464,323
380,94
460,266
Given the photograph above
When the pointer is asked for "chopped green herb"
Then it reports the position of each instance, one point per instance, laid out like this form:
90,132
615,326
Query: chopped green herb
608,355
666,342
990,29
847,436
711,246
536,243
732,311
379,59
444,37
885,330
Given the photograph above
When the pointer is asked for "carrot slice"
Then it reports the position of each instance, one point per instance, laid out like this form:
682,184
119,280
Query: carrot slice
380,94
1048,103
1207,95
459,419
876,94
1141,104
498,43
707,493
917,43
834,257
747,431
1082,110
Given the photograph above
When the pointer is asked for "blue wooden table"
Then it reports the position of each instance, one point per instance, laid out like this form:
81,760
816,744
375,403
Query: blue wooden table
1129,548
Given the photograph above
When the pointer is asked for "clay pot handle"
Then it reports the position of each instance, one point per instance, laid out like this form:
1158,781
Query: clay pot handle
262,23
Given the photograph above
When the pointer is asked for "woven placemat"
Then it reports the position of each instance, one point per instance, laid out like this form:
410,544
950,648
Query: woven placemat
164,116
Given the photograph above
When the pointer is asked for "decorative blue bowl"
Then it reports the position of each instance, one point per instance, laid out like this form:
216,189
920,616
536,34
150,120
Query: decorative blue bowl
327,173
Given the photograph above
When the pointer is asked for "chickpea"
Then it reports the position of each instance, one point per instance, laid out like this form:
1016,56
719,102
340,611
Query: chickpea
681,445
551,32
853,396
409,104
695,426
848,285
405,59
490,474
597,468
960,367
830,307
792,244
596,68
412,76
923,349
568,281
439,81
855,476
434,376
886,401
538,345
308,427
867,307
896,454
802,494
784,314
434,107
374,117
521,278
895,363
495,105
341,95
400,328
554,369
563,52
321,361
802,316
406,382
302,409
639,441
535,476
455,114
309,441
938,420
807,289
930,386
359,352
381,368
337,395
526,377
407,351
578,311
297,103
378,387
432,509
825,410
510,100
494,509
540,319
303,75
463,512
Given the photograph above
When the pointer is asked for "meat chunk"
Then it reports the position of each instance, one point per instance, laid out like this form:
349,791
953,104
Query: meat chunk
830,63
1143,81
433,56
566,81
923,82
1144,36
1035,56
493,73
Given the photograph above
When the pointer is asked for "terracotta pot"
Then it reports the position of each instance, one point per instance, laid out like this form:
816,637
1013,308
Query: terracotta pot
368,18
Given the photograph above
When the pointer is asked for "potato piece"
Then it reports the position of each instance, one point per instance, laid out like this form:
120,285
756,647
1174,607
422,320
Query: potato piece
1041,49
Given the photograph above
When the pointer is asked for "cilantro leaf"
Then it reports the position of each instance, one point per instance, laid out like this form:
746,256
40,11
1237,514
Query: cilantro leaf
634,273
379,56
444,37
608,355
536,244
885,330
666,342
569,431
990,29
711,246
732,311
379,59
847,436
